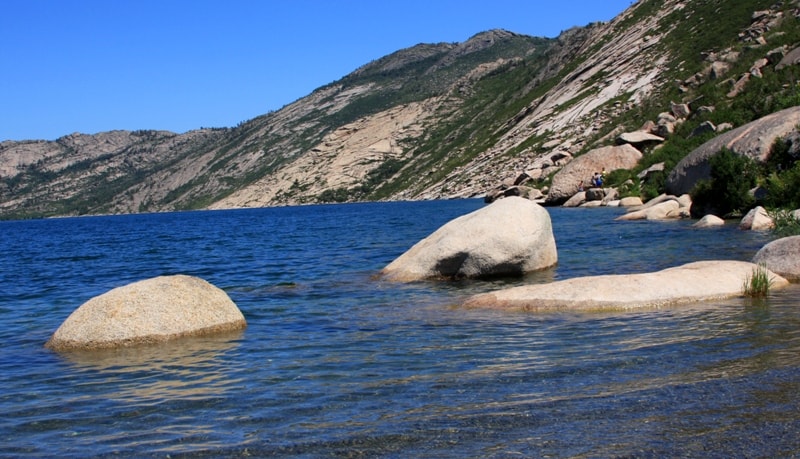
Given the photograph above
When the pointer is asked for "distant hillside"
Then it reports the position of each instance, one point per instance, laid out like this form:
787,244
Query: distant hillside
431,121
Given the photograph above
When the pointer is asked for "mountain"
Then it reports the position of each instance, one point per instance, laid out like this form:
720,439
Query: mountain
431,121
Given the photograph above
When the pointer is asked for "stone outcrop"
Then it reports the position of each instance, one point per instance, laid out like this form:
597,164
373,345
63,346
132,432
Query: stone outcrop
704,128
665,125
580,170
508,237
639,138
693,282
655,168
148,311
791,58
754,139
757,220
782,257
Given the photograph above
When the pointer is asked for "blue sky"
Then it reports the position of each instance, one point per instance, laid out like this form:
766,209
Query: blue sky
97,65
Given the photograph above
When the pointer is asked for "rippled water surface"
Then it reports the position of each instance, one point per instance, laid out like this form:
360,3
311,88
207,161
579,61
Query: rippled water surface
336,362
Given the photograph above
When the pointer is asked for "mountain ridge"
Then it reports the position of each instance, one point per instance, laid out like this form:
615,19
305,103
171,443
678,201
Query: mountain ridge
429,121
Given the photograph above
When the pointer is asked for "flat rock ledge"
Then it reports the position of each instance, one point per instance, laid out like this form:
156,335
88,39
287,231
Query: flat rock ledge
147,312
693,282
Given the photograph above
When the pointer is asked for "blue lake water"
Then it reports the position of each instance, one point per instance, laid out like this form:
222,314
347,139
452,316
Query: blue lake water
336,362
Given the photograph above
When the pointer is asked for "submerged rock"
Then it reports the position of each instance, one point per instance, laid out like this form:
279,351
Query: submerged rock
148,311
709,221
508,237
693,282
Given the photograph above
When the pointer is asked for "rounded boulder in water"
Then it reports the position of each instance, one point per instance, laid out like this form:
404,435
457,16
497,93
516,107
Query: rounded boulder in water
149,311
511,236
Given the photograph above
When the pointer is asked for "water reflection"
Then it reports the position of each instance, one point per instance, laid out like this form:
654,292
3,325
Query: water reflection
192,368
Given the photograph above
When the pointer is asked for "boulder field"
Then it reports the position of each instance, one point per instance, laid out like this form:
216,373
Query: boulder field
699,281
511,236
148,311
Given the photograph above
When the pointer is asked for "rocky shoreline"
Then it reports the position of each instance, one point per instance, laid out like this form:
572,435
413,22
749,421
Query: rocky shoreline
465,256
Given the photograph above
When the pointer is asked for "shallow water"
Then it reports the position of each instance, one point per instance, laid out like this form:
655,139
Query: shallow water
336,362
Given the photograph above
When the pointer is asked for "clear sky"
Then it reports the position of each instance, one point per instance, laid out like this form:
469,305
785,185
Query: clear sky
97,65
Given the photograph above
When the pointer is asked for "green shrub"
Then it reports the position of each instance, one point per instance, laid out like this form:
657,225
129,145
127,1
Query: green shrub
728,189
629,189
625,181
780,156
783,188
336,195
617,177
653,185
786,224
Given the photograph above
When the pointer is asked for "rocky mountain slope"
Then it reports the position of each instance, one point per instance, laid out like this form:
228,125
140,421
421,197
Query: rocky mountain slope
431,121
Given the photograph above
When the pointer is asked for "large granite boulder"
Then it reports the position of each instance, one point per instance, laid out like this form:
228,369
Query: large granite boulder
580,170
782,257
693,282
148,311
754,139
508,237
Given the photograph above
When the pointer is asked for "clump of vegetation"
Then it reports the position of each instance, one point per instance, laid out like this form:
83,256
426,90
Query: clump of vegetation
786,224
757,284
654,185
727,192
341,194
782,177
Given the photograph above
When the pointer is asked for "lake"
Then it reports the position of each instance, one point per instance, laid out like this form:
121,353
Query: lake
337,362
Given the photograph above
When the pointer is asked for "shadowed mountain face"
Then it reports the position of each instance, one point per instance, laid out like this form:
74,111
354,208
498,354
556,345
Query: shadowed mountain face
431,121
